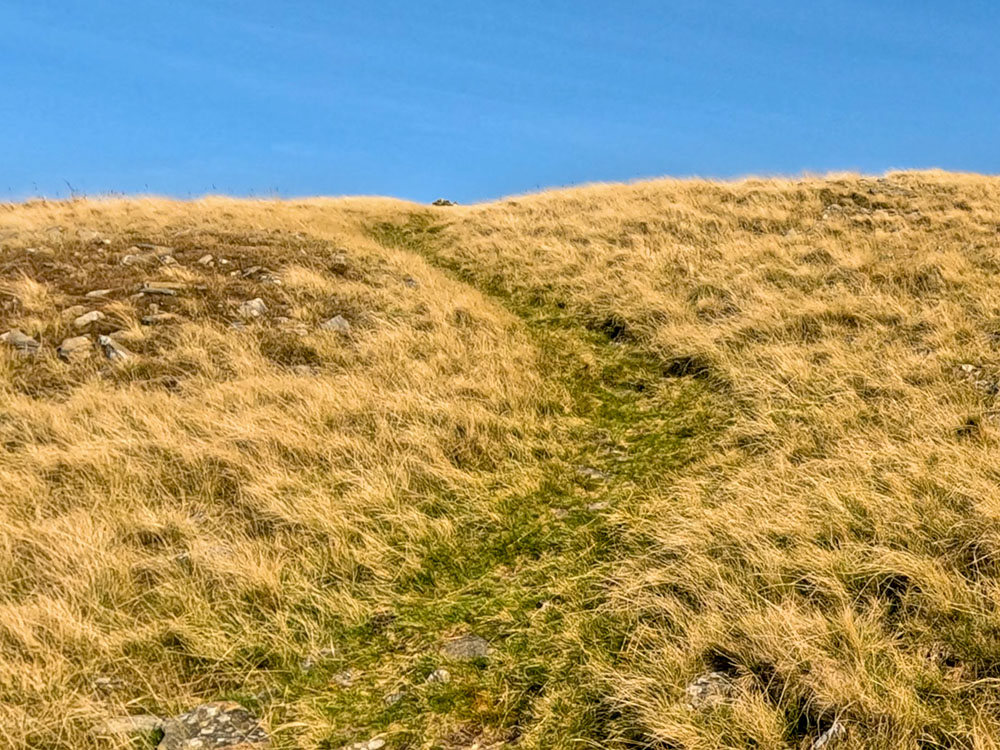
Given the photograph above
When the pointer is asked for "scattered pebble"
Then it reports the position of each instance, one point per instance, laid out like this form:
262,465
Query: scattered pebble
206,260
466,648
393,698
214,726
253,308
439,675
98,293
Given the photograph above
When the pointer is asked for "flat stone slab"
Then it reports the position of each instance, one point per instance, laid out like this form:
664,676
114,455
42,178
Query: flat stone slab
214,726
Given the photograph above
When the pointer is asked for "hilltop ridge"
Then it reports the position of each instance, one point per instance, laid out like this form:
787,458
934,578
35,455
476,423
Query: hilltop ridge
671,464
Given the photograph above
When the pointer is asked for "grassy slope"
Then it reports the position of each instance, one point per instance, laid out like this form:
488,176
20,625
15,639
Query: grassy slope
800,473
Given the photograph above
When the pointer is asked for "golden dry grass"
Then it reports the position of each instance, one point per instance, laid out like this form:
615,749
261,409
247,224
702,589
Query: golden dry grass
194,521
182,521
838,552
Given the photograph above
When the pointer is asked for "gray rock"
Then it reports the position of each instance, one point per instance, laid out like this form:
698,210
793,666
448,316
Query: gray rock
831,737
466,648
393,698
120,726
214,726
710,690
88,319
113,350
20,341
253,308
439,675
74,349
337,323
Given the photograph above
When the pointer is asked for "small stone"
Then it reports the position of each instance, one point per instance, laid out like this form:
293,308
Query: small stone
393,698
597,506
439,675
215,725
344,679
74,349
113,350
126,725
710,690
376,744
206,260
20,341
337,323
98,293
831,737
411,282
253,308
88,319
466,648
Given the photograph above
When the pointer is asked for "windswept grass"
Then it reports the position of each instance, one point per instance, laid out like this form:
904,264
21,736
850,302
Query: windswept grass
628,434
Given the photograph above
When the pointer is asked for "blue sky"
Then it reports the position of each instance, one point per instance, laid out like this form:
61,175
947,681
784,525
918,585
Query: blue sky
474,100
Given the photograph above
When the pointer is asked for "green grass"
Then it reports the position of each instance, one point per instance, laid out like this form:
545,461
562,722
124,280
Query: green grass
531,577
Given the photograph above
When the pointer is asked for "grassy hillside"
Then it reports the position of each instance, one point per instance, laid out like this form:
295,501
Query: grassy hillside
637,438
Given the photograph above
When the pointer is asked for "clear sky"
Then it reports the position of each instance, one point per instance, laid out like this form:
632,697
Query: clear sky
473,100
